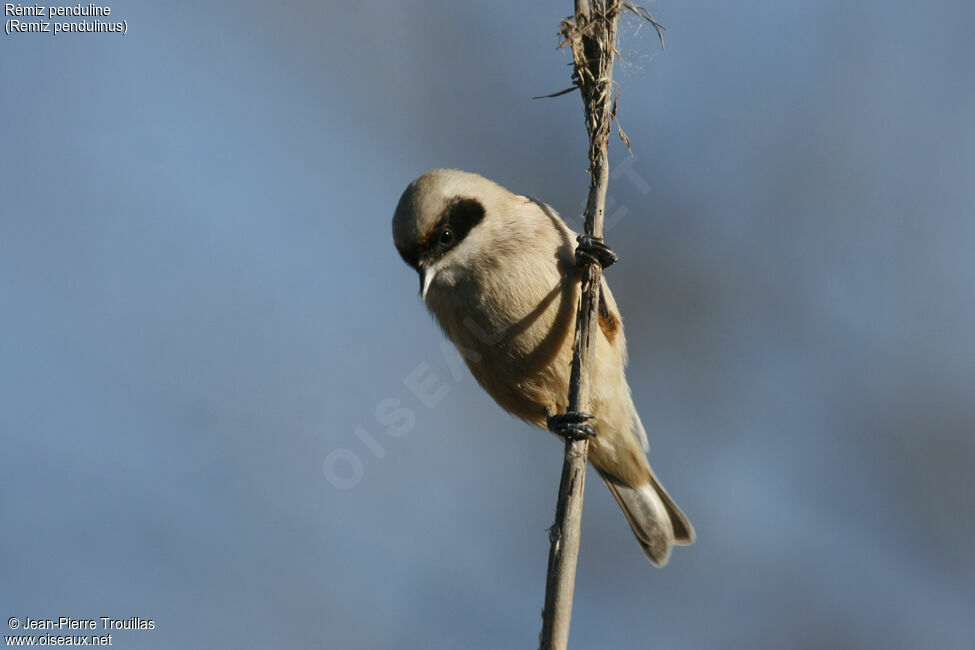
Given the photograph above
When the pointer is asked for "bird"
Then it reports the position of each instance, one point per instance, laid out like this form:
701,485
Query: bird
502,276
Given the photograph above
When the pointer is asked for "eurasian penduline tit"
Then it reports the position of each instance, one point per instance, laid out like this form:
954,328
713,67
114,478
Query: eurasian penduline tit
499,273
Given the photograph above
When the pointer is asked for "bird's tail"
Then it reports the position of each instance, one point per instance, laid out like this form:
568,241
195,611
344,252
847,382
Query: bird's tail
655,519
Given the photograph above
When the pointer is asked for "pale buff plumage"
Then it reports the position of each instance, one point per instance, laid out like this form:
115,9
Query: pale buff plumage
506,295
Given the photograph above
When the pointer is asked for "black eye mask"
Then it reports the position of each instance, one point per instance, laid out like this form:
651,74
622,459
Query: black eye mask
455,223
458,219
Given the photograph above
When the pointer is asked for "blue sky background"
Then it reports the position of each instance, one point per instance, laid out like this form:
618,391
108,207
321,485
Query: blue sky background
200,302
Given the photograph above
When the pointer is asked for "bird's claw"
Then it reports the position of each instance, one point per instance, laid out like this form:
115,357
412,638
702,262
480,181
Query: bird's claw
570,425
594,249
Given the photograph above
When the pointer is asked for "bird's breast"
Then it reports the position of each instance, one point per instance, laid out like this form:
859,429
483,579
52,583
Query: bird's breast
515,333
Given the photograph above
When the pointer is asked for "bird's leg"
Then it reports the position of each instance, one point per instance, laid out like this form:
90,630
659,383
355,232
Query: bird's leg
594,249
570,425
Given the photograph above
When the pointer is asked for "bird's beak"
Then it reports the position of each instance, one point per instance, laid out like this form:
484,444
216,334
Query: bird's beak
426,278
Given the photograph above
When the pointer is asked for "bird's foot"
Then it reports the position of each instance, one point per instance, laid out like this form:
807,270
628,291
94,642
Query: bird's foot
594,249
570,425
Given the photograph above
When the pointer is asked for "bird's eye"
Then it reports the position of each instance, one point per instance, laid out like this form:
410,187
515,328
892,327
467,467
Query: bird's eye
446,236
